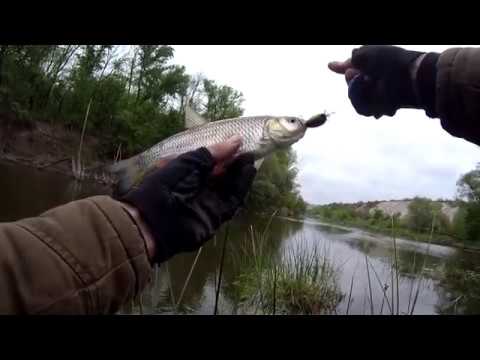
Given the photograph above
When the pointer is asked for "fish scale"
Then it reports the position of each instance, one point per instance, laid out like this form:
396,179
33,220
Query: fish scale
249,128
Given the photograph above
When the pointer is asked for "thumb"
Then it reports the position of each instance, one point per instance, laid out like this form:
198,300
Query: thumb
340,67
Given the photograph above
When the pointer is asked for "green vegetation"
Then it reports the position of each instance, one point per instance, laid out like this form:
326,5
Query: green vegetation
134,97
300,281
467,221
463,290
275,188
422,213
424,217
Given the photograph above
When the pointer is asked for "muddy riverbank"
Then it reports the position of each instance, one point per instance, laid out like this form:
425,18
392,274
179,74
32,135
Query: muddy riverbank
53,148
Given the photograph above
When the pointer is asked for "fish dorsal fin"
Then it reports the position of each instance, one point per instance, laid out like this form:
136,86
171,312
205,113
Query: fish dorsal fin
192,119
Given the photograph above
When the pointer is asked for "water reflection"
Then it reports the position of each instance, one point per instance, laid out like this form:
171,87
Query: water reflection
27,192
199,294
431,278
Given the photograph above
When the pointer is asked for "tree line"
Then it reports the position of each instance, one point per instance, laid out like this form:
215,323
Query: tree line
425,216
134,97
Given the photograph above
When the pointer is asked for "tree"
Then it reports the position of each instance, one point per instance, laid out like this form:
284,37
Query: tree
223,102
423,214
275,188
472,221
22,75
135,99
468,186
54,69
459,223
156,79
467,221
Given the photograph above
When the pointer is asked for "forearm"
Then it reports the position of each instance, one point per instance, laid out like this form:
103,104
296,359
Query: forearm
86,257
458,92
448,87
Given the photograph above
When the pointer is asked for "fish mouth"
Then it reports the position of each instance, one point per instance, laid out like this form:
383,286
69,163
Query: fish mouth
316,121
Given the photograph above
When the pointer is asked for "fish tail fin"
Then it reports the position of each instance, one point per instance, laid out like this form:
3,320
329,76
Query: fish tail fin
126,172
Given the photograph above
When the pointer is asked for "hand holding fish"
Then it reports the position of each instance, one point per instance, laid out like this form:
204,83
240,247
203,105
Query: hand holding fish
180,204
261,136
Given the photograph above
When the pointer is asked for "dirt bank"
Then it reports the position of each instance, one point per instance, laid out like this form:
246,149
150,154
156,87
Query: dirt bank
51,147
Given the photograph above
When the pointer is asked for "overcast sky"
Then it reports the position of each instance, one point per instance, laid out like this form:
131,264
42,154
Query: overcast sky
351,158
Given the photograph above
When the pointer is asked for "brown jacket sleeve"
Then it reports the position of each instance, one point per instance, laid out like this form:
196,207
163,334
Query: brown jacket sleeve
458,92
85,257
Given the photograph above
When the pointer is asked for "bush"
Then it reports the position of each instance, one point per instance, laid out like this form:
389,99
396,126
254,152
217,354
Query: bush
301,281
459,223
472,222
421,214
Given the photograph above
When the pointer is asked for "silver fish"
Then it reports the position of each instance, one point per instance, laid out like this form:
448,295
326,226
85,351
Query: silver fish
261,135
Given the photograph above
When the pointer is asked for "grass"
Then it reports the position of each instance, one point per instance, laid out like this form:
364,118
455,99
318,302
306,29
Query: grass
299,281
463,291
187,280
393,302
77,167
218,283
350,293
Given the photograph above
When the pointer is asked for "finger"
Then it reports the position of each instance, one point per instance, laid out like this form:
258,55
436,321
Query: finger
221,152
350,74
340,66
230,168
164,161
227,192
233,166
236,179
188,172
248,174
239,189
185,173
240,162
225,151
234,187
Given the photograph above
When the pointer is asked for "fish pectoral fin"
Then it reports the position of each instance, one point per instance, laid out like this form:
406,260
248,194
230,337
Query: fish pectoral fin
193,119
258,163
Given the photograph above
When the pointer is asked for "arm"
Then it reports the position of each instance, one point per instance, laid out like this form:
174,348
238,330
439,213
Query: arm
458,92
383,79
85,257
91,256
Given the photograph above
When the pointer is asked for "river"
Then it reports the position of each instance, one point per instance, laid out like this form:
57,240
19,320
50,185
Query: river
432,279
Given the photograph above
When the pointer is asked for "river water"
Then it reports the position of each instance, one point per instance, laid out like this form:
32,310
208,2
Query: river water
432,279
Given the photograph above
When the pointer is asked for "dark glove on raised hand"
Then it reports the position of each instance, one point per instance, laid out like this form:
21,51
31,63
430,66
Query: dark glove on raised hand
383,79
183,204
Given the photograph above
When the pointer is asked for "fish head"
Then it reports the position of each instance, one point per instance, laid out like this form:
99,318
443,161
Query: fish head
285,130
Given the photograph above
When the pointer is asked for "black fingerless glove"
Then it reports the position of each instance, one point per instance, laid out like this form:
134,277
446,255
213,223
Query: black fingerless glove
184,206
386,83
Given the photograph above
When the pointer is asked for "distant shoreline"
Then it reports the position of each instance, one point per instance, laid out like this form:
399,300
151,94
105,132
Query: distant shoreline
314,221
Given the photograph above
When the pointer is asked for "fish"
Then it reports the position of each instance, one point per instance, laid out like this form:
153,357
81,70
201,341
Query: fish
261,136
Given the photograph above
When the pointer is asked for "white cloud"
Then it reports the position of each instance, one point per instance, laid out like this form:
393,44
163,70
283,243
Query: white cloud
351,157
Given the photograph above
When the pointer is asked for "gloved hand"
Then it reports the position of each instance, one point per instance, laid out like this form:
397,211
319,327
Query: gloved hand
183,204
383,79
